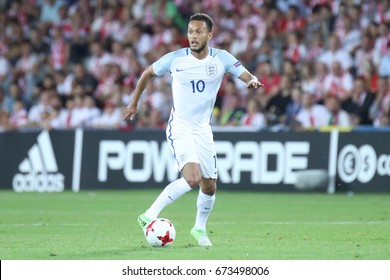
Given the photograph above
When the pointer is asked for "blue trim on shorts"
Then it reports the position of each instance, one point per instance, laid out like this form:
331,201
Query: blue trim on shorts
170,134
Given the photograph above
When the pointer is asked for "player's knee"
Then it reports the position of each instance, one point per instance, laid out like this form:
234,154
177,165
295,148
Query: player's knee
209,191
191,173
209,187
193,179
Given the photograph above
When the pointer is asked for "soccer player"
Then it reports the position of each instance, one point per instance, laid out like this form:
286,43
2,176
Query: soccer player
197,74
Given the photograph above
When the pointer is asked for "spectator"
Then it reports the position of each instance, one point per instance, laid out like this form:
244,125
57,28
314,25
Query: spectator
32,48
66,121
86,79
293,20
340,19
321,72
155,120
26,69
125,20
85,11
105,26
141,41
312,116
230,108
9,99
167,11
352,36
384,65
382,12
63,22
336,53
296,51
289,69
18,118
63,82
293,107
253,117
106,83
92,112
361,101
337,116
277,104
57,117
4,125
178,40
364,57
247,46
143,117
59,49
118,57
49,12
250,17
76,114
384,119
4,69
2,100
382,101
269,77
39,43
339,82
359,15
381,42
18,12
98,59
308,78
78,42
315,47
232,111
40,109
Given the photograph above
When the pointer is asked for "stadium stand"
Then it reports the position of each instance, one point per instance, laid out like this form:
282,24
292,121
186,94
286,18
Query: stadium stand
68,64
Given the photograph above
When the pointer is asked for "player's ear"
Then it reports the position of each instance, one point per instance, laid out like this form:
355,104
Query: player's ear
210,35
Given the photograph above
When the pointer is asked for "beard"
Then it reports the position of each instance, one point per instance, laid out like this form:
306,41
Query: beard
201,48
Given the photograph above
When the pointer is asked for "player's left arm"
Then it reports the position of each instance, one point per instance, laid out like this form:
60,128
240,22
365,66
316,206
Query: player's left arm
250,80
234,67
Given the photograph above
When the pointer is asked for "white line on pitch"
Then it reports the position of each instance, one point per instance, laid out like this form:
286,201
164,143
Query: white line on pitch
45,224
308,223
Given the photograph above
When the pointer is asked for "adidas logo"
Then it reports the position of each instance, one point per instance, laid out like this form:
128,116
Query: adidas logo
39,170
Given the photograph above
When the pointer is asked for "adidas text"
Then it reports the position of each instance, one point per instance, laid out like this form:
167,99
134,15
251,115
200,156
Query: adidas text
38,183
38,172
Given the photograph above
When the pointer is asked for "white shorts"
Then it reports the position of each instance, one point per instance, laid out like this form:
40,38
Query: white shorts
194,147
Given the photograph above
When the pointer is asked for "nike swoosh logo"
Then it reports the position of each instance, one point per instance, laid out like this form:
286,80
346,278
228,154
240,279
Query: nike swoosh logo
179,70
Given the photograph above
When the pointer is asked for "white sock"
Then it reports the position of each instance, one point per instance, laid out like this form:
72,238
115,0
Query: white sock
204,204
171,193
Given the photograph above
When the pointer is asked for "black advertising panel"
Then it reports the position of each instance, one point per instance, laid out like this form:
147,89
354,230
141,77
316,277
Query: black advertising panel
268,161
37,161
122,160
43,161
363,161
246,160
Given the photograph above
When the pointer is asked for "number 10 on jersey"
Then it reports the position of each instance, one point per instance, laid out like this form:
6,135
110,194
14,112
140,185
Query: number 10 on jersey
198,86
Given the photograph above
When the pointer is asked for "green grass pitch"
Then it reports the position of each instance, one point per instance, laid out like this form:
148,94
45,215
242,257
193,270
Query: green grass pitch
243,226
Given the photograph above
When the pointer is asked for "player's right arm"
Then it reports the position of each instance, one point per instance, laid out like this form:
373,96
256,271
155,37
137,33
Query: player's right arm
145,78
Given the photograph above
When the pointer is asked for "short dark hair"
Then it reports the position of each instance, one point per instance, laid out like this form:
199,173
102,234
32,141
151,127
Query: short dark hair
203,17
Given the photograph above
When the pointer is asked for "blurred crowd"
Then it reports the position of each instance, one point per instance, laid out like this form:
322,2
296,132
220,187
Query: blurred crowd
68,64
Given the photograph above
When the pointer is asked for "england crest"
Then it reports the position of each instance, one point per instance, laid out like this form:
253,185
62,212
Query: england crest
211,70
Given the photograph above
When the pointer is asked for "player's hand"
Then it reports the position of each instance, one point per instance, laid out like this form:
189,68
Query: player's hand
130,111
254,83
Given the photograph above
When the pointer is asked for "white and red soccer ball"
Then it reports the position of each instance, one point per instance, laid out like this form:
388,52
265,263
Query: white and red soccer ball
160,233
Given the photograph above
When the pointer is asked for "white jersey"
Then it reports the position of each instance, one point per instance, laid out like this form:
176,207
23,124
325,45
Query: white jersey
195,84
